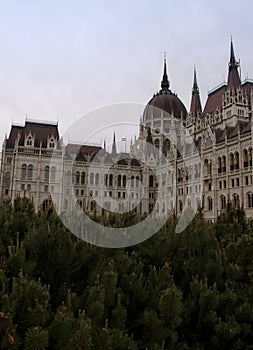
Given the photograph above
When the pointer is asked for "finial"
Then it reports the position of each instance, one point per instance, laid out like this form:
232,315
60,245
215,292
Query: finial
195,88
165,82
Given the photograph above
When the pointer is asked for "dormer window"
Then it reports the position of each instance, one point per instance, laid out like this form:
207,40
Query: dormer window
29,140
51,143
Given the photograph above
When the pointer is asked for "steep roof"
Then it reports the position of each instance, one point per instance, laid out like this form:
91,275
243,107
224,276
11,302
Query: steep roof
82,152
195,101
41,131
214,99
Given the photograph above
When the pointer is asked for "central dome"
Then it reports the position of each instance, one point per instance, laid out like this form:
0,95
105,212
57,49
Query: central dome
164,100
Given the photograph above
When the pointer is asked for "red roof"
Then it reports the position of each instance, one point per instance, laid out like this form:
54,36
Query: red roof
214,100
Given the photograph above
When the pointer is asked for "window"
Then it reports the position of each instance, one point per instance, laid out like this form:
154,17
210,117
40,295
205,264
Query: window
236,160
224,164
137,181
7,179
225,184
246,180
166,146
46,173
237,181
30,172
245,158
82,192
220,185
236,200
46,188
97,179
92,205
52,174
52,143
119,180
23,172
124,180
28,187
157,143
29,141
250,156
22,187
110,180
210,203
77,177
77,192
233,182
223,202
91,179
68,177
250,200
83,178
151,181
232,161
219,165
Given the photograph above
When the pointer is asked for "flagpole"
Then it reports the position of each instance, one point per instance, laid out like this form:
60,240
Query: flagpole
124,139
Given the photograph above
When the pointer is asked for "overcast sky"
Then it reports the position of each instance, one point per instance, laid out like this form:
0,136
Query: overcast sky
61,59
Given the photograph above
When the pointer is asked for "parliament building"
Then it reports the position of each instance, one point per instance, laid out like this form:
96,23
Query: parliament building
181,159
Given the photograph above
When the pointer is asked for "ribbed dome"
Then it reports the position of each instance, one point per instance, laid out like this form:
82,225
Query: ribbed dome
164,101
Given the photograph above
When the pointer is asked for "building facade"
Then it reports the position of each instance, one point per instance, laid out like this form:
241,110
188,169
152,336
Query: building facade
201,158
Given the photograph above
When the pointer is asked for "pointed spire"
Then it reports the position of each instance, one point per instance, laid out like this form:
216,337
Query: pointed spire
232,54
234,80
195,101
104,145
165,82
195,88
114,151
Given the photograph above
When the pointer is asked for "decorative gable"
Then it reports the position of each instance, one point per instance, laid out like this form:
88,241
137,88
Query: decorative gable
29,140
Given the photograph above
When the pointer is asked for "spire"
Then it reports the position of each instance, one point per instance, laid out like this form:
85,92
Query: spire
232,54
233,76
195,101
114,151
165,82
104,145
195,88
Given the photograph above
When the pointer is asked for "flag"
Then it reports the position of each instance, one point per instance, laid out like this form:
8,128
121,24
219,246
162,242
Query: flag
123,138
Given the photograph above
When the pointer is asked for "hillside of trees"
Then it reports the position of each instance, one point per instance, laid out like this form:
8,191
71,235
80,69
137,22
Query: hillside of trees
192,290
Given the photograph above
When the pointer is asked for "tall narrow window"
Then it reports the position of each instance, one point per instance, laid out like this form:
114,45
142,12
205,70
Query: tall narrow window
77,177
46,173
52,174
30,172
23,172
97,179
83,178
151,181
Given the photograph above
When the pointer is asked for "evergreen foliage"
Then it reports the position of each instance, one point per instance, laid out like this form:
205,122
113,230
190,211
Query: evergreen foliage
191,290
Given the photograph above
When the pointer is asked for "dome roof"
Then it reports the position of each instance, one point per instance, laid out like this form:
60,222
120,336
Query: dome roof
164,100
